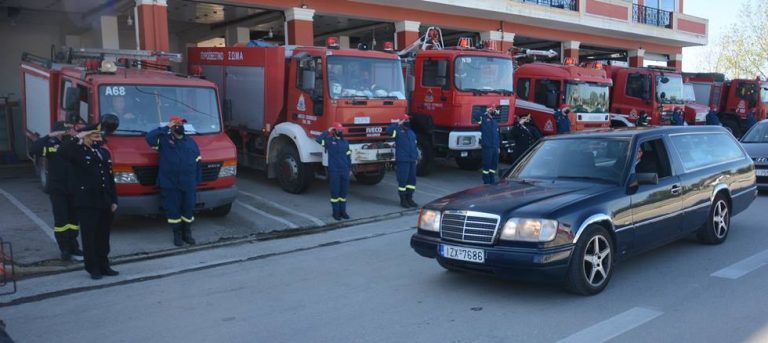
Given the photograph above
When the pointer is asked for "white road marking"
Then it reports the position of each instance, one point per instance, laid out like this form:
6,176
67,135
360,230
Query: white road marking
286,209
417,189
286,222
743,267
32,216
613,326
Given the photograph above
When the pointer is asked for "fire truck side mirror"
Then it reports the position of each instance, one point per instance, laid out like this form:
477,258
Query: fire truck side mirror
410,83
72,100
308,80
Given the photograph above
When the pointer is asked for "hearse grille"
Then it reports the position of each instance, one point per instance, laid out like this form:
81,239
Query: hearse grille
469,226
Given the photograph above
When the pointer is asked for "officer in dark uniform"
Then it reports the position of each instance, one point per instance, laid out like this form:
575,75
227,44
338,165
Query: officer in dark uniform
490,143
562,120
524,135
712,118
95,197
339,168
180,173
751,118
406,155
642,119
60,189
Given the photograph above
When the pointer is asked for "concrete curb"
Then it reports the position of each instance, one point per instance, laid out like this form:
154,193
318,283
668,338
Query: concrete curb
46,268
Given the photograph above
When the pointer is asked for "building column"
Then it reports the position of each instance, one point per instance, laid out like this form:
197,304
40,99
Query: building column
153,24
299,30
570,49
676,61
636,58
344,42
108,36
406,32
501,41
236,35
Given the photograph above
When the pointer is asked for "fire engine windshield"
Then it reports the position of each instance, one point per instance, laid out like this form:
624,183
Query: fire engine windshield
688,93
142,108
373,78
483,74
764,93
669,88
587,97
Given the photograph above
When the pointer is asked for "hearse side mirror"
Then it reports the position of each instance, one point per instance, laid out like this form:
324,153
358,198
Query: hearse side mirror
308,79
647,178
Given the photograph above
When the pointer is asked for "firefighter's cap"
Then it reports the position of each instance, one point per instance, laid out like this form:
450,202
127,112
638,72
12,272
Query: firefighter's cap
177,120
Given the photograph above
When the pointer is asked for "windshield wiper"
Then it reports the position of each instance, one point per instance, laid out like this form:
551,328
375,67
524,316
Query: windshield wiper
475,90
132,131
591,178
386,97
502,91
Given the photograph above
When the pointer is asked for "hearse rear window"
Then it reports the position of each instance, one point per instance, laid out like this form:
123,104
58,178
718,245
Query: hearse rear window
702,150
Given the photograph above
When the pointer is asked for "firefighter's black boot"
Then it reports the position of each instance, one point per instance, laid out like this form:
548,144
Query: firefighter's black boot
343,210
186,233
404,201
177,235
411,203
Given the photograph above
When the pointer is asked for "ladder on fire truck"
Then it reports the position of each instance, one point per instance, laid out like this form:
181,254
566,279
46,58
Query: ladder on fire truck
431,40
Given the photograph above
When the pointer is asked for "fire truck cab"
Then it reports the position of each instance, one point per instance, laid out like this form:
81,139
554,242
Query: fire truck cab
278,99
734,99
655,90
585,90
451,89
143,95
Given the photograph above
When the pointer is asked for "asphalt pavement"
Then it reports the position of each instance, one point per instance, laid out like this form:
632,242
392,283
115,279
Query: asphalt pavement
365,284
261,210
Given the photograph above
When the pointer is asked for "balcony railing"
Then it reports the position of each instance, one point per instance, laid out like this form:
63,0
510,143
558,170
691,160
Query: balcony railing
564,4
651,16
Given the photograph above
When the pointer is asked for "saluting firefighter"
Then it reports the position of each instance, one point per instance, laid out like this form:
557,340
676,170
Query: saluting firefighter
95,197
339,168
677,117
562,120
524,134
180,173
60,189
406,155
490,142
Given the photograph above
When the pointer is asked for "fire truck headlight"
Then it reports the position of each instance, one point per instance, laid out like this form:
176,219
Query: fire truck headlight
125,177
465,141
228,169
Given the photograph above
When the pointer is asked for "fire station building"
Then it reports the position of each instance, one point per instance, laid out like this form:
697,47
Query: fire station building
634,33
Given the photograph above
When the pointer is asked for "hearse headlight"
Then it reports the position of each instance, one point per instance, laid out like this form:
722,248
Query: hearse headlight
529,230
429,220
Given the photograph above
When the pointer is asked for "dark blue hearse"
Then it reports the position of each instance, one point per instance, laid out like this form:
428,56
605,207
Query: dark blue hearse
576,204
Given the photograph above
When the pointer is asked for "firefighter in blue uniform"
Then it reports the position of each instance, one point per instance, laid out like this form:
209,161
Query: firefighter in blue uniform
60,189
339,168
180,173
751,118
712,118
562,120
490,143
677,117
406,155
95,197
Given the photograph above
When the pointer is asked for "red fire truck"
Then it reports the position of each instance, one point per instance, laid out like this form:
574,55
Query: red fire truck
144,95
733,98
278,99
544,87
449,89
655,90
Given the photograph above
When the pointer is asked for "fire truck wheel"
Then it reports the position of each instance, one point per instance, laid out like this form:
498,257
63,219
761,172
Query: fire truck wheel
221,211
426,155
370,178
469,163
293,175
733,126
42,172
